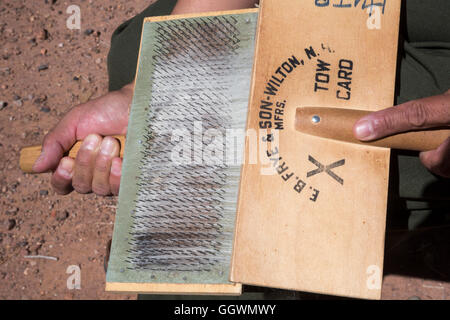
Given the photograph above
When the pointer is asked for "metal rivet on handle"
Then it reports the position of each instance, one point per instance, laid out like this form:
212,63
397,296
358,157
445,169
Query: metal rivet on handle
315,119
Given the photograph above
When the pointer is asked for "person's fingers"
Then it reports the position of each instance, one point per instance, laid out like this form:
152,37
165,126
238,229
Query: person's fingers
106,115
61,180
57,142
109,149
413,115
114,177
85,163
438,161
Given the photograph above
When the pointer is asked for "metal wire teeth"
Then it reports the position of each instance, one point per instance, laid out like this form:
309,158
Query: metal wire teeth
179,211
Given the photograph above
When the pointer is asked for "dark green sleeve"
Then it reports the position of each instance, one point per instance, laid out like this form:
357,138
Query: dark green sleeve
125,41
424,67
423,70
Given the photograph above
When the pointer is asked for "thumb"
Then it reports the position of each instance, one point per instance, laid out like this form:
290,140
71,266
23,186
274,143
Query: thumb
413,115
57,142
438,161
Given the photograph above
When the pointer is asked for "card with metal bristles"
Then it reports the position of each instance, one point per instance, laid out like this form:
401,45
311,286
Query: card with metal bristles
176,213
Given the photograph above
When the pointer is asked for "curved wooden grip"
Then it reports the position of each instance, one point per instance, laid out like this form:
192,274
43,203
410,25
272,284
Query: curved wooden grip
29,155
337,124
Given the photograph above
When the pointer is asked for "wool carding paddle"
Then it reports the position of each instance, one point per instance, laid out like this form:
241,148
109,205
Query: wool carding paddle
175,220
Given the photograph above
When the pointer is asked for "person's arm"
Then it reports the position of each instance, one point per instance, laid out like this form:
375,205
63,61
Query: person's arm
97,167
194,6
430,112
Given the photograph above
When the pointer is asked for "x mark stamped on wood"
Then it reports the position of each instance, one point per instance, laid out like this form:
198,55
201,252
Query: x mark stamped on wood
327,169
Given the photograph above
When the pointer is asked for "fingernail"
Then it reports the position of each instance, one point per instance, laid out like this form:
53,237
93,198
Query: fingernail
65,168
116,168
91,142
41,156
108,147
364,130
38,160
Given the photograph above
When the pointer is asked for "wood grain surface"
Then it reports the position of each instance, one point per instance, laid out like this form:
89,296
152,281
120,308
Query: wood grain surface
317,222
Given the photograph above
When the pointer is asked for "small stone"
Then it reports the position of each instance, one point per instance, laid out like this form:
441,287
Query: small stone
63,215
43,192
45,109
98,60
22,244
43,67
60,45
43,34
43,51
40,100
7,71
14,185
12,212
18,103
4,86
34,248
76,78
88,32
11,224
3,105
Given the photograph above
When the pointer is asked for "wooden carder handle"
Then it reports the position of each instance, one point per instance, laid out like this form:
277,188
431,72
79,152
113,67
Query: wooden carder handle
337,124
29,155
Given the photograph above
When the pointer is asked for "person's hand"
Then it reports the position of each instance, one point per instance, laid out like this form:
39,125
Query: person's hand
430,112
97,167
